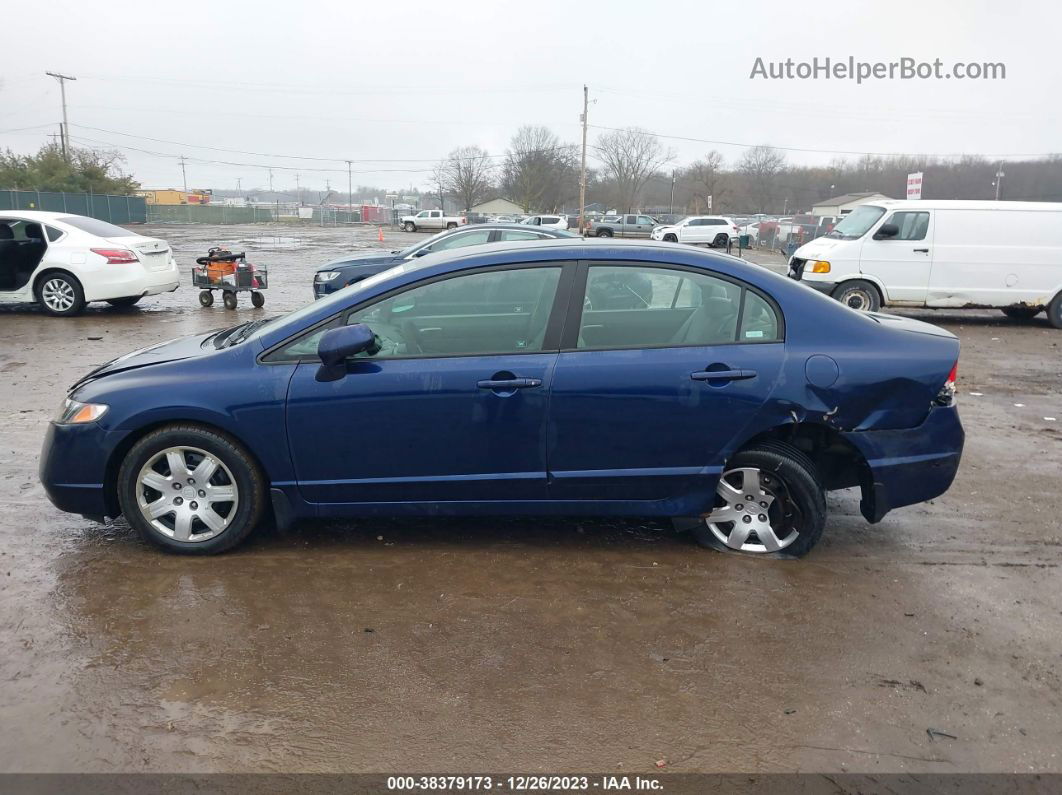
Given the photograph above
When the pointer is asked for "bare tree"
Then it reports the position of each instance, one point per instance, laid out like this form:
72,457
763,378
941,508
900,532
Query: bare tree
707,183
630,156
466,174
761,166
535,167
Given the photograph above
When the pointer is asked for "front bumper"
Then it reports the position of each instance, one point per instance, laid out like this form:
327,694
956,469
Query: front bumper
73,468
909,465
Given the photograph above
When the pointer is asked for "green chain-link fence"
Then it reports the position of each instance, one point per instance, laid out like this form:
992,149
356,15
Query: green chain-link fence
106,207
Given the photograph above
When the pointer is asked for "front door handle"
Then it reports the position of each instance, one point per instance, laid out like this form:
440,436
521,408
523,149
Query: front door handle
922,250
505,384
722,375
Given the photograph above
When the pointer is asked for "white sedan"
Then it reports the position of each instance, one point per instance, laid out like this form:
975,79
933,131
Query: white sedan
63,261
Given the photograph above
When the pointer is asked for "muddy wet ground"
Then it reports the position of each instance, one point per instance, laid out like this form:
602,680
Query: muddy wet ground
532,645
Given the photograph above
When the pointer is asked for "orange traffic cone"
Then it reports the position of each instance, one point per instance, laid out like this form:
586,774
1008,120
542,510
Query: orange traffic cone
380,235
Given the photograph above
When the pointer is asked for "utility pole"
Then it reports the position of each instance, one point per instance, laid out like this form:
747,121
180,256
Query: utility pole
239,186
66,124
999,181
350,195
184,175
672,210
298,189
270,180
582,172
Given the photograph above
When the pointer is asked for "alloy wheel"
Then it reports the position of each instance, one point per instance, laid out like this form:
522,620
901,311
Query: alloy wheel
187,494
58,295
754,512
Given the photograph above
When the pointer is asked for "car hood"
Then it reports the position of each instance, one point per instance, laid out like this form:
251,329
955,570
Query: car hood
373,258
819,248
665,228
169,351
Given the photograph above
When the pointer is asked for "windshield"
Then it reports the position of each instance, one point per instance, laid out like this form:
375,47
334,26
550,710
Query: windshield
856,223
408,251
339,297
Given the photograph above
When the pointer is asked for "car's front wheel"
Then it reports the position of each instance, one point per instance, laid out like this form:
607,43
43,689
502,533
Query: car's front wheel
191,490
859,294
60,294
670,238
768,501
409,226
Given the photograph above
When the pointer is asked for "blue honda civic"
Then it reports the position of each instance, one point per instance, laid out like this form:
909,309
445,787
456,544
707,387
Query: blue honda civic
558,377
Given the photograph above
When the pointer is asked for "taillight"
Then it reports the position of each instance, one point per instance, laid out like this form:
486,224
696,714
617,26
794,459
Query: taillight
946,395
116,256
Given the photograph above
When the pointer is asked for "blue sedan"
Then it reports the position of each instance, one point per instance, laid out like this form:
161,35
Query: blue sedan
344,272
559,377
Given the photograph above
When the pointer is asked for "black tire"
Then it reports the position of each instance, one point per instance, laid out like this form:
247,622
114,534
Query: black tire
122,302
206,298
1054,311
670,238
47,285
604,233
800,499
409,226
229,298
858,294
1021,312
249,481
257,299
451,225
721,240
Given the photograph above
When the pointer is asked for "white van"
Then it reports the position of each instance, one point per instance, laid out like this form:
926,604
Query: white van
942,254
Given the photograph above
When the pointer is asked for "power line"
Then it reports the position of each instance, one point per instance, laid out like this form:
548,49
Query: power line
828,151
310,157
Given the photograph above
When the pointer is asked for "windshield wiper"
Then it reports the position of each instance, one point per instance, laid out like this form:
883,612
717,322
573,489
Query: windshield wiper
245,331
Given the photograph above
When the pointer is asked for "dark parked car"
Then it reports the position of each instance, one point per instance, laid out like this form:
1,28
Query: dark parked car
340,273
484,381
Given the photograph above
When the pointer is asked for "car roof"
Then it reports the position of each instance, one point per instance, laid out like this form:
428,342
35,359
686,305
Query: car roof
36,215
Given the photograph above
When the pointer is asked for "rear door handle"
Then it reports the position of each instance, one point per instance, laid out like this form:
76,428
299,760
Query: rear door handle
722,375
922,250
509,383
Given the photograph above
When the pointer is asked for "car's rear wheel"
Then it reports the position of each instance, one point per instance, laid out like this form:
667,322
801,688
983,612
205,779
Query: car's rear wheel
721,240
768,501
1054,311
409,226
451,226
859,294
60,294
1021,312
604,233
191,490
127,301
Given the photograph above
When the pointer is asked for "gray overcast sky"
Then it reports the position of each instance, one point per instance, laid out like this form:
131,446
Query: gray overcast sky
411,81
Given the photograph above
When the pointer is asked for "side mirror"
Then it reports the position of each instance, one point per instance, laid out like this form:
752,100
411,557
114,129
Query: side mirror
422,252
339,344
886,231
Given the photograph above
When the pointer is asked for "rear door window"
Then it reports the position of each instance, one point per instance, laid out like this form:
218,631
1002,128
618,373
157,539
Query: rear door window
650,306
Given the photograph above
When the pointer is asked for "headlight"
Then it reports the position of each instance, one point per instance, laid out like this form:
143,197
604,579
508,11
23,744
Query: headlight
325,276
74,413
820,266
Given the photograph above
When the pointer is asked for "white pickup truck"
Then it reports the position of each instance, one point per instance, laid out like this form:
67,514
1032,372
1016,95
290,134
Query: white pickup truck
432,219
